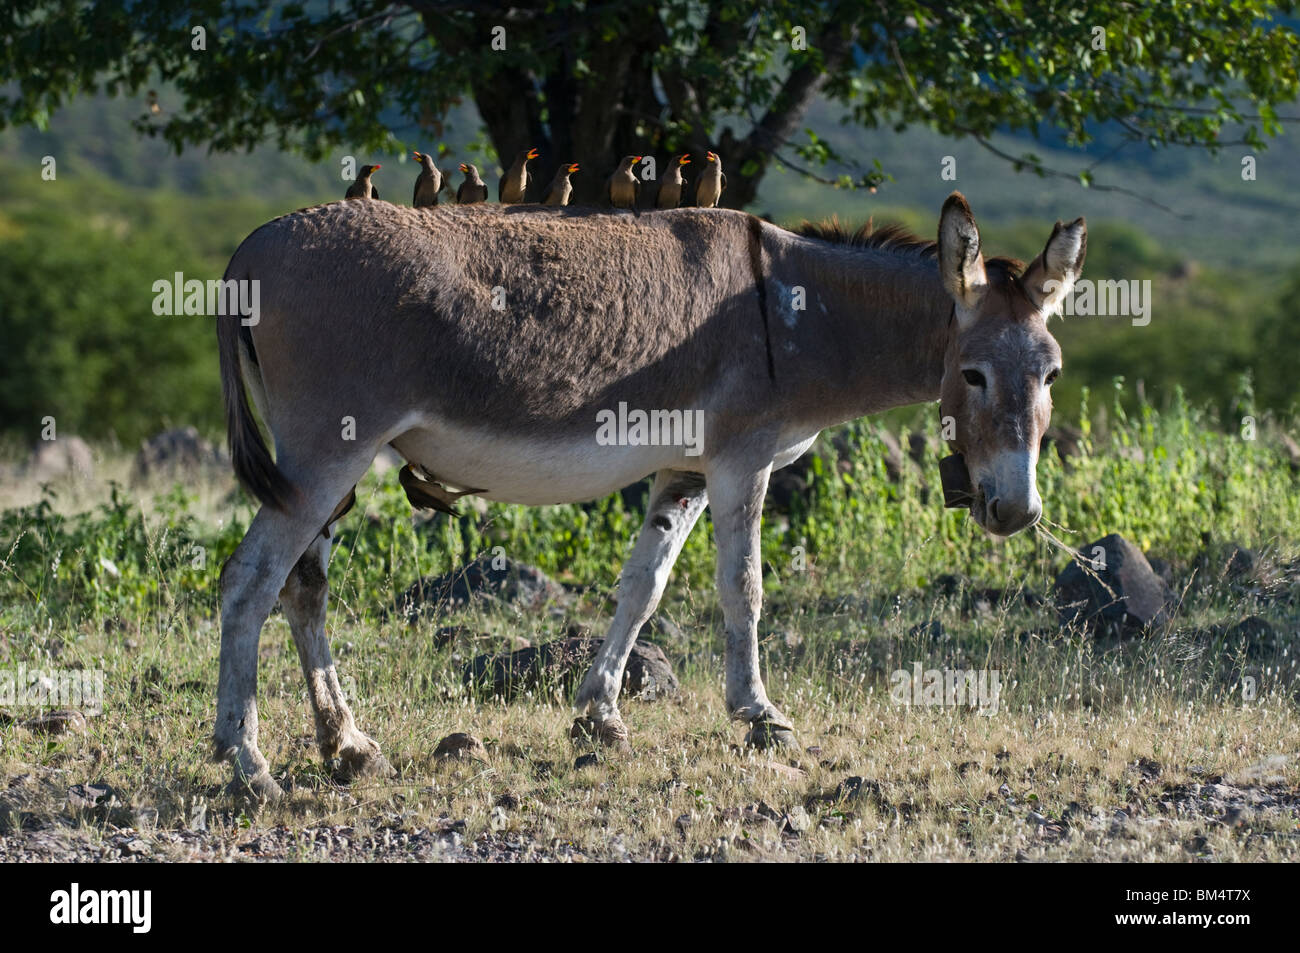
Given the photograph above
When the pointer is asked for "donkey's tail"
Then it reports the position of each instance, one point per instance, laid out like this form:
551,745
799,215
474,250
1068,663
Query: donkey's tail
248,451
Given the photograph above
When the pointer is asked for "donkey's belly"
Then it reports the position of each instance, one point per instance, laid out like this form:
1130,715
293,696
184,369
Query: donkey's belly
564,468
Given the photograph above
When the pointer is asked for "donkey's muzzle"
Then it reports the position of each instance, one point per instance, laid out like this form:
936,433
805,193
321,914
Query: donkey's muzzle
957,489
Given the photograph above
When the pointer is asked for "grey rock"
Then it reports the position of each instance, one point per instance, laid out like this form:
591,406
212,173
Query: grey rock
558,665
57,722
64,457
1123,594
90,797
487,577
460,746
177,452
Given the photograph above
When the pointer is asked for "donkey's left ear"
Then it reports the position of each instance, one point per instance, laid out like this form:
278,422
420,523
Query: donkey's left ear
961,266
1051,276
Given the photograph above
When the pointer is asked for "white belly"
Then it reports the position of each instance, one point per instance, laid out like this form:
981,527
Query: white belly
534,471
539,471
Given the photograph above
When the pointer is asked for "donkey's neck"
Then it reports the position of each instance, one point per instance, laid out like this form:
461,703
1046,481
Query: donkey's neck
872,334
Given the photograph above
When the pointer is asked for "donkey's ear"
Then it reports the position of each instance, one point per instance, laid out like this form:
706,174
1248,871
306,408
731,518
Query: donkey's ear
1050,277
960,263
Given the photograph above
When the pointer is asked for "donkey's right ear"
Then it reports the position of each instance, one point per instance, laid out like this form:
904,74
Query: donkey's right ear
960,263
1050,277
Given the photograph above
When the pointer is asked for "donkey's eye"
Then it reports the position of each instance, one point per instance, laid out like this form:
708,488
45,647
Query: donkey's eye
973,377
1051,377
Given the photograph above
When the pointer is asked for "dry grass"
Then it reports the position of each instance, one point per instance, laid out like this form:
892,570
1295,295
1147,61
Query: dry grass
1042,778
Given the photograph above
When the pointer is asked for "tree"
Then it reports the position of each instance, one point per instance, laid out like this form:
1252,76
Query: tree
589,81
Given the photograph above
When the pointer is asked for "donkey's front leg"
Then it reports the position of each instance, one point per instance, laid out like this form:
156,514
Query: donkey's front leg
737,507
304,600
676,501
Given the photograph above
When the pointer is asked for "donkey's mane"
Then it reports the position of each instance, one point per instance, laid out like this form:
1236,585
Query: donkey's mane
896,238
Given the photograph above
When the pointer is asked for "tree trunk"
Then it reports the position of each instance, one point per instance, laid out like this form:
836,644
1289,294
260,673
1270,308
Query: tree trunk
613,109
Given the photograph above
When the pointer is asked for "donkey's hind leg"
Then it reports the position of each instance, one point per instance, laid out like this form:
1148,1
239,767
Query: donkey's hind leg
303,600
676,501
251,581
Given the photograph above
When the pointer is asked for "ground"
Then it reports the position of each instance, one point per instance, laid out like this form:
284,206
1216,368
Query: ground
1177,743
1094,759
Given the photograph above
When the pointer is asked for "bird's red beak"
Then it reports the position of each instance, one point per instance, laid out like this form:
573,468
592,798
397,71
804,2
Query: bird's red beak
532,153
574,168
464,168
375,168
684,160
417,157
710,156
637,158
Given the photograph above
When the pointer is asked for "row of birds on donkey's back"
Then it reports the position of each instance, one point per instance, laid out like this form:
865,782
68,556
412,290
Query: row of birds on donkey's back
622,188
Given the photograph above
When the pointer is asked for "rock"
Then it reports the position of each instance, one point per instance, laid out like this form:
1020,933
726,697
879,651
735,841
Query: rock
133,846
664,627
61,458
558,665
1066,438
1256,634
797,820
487,577
1237,562
90,797
460,746
174,452
1162,568
57,722
1121,594
787,771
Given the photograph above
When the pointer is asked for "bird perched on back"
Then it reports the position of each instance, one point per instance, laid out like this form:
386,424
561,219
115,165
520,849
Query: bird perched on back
513,186
363,188
670,191
558,192
623,187
711,183
428,183
472,189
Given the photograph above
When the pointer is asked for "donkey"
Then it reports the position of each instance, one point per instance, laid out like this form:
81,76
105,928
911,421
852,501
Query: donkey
483,343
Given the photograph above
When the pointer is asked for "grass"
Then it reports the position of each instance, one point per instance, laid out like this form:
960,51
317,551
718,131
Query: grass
1177,745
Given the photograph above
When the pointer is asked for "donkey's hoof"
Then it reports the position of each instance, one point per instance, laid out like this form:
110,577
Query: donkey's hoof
255,791
363,761
766,734
610,733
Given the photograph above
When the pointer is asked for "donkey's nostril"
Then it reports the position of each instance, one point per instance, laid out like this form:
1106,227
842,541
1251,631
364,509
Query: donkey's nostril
993,509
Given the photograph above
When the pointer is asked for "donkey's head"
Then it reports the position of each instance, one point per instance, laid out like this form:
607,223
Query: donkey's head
1001,361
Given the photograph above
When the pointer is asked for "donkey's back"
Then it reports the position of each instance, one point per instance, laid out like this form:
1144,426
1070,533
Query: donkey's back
532,316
